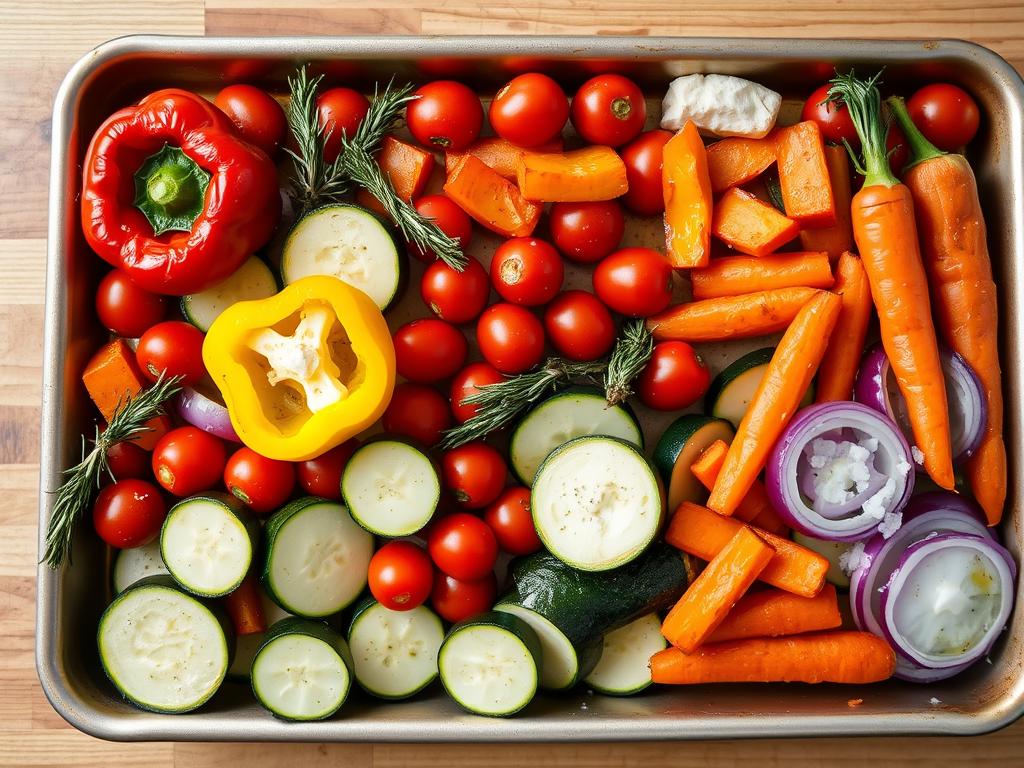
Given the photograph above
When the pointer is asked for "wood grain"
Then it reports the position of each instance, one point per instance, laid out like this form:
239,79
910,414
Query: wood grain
40,40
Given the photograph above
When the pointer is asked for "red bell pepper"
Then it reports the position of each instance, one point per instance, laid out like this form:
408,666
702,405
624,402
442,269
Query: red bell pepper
173,196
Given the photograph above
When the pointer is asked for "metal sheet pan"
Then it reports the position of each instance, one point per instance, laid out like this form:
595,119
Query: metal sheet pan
70,601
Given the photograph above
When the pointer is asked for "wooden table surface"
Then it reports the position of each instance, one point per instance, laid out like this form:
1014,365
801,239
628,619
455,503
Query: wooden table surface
39,39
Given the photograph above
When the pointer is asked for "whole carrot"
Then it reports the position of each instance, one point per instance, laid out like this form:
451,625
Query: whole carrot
886,235
956,258
736,275
842,358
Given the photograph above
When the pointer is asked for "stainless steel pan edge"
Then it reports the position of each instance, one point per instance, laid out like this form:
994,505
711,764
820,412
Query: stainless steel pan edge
979,703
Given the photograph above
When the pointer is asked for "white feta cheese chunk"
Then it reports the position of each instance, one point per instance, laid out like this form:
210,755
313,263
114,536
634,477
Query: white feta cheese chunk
720,105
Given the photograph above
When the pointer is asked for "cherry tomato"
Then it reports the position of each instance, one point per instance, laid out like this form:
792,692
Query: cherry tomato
510,519
450,219
340,111
128,460
456,600
636,282
674,378
322,476
256,114
417,411
475,473
187,460
832,118
456,297
128,513
261,484
896,145
587,232
445,115
174,348
429,350
463,546
529,110
466,382
609,110
510,338
400,575
643,157
579,325
527,271
946,115
124,308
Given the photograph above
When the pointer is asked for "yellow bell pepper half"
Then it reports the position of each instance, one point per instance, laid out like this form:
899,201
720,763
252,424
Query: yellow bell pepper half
304,370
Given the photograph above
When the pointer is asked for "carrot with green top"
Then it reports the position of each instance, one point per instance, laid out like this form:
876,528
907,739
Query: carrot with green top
956,258
782,388
736,275
887,240
756,507
846,347
772,612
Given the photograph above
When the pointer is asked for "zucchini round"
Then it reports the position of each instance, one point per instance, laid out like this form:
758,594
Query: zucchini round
731,391
391,488
625,665
252,280
136,563
681,444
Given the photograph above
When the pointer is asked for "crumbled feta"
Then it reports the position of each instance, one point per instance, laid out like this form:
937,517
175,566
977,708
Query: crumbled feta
877,504
917,453
891,523
720,105
843,470
934,701
852,559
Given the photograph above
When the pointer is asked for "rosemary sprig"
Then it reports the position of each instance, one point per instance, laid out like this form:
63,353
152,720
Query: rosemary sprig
314,180
83,479
631,353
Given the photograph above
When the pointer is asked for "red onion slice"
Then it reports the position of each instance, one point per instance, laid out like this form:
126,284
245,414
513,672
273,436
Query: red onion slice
206,414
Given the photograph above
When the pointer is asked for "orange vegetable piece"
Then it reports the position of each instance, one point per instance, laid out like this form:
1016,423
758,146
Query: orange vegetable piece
838,368
838,238
245,607
735,161
494,202
499,154
407,166
588,174
772,612
750,225
803,175
755,508
686,185
736,275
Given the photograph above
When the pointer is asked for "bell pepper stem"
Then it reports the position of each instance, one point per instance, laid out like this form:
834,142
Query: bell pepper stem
170,188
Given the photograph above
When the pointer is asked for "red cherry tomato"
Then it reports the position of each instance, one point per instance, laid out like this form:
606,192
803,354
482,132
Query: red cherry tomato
587,232
445,115
510,519
636,282
429,350
465,383
261,484
832,118
187,460
946,115
417,411
475,473
124,308
529,110
128,513
256,114
463,546
896,145
322,476
675,378
609,110
340,111
579,325
400,576
450,219
173,348
455,297
128,460
510,338
643,157
527,271
455,600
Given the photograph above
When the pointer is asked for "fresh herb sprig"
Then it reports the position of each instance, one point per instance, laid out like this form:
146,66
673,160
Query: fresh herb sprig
632,352
83,480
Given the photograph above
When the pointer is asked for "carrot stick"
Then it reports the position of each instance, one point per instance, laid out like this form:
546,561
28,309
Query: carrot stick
736,275
583,175
825,657
686,187
735,161
755,508
886,235
838,238
749,225
407,167
498,154
494,202
952,229
778,397
712,595
846,346
731,317
803,175
245,607
772,612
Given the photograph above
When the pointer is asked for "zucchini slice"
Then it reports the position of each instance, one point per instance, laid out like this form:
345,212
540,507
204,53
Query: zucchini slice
164,650
731,391
391,488
349,243
315,557
681,444
576,412
625,665
136,563
489,664
596,503
831,551
252,280
394,652
302,671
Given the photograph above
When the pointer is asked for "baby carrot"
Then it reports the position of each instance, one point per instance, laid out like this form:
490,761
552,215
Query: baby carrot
838,238
245,607
842,358
737,160
736,275
755,508
750,225
772,612
778,397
